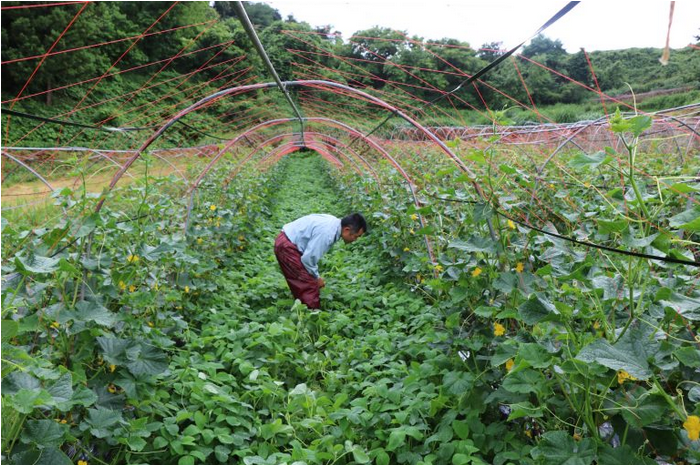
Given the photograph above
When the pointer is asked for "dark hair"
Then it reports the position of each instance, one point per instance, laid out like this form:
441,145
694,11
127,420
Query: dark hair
355,221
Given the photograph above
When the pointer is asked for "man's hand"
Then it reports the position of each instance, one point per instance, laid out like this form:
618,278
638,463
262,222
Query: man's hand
321,282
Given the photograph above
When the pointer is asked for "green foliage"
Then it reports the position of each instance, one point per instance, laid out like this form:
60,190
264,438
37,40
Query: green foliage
144,333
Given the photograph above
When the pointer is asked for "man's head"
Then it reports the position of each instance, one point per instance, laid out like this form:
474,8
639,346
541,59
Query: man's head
352,227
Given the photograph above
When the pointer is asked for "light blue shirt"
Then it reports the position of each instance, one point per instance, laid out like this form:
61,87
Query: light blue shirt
313,235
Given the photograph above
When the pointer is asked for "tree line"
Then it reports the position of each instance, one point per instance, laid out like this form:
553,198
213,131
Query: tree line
378,58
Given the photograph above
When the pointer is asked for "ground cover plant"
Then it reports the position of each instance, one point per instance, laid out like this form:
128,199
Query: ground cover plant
160,347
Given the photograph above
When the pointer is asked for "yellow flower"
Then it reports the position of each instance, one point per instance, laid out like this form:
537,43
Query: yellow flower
692,426
623,376
187,289
132,288
112,367
122,285
577,437
212,207
200,240
511,225
498,329
241,238
406,249
476,272
519,267
82,462
439,268
596,325
509,364
132,258
150,323
55,325
411,231
111,388
64,421
414,217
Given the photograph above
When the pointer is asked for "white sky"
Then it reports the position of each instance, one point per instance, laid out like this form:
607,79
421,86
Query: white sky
593,25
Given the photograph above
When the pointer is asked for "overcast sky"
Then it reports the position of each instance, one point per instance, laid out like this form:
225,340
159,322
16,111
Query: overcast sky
593,25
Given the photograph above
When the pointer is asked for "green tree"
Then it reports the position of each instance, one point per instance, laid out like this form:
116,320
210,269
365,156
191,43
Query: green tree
454,61
371,49
489,52
279,44
578,69
542,45
31,32
162,46
260,14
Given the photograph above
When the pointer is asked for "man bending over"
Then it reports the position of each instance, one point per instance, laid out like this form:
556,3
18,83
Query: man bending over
303,242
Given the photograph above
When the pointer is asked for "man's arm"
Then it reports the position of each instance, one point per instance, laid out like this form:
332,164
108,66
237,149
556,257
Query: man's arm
315,249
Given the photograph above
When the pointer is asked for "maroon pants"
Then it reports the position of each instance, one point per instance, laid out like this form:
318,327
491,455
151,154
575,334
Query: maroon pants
303,286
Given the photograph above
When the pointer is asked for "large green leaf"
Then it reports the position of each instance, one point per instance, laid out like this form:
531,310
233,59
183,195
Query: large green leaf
689,220
93,311
9,329
640,123
221,453
524,381
534,355
616,226
25,400
688,307
623,455
270,430
474,244
44,433
84,396
154,253
62,391
47,456
113,349
629,354
37,264
101,421
397,438
19,380
97,263
559,448
640,413
144,359
458,382
613,288
87,226
359,454
688,356
582,160
536,309
694,394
